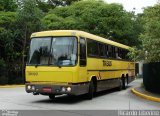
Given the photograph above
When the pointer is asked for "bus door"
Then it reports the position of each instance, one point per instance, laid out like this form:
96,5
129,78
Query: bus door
82,60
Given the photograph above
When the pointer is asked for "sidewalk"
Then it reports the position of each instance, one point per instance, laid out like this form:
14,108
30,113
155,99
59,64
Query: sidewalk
140,91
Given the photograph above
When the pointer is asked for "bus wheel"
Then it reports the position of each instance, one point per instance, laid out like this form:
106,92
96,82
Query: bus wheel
124,80
90,91
121,85
52,96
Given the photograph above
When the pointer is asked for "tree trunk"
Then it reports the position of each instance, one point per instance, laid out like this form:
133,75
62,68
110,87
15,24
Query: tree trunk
23,54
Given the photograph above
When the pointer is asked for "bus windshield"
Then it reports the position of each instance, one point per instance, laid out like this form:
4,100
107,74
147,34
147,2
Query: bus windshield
56,51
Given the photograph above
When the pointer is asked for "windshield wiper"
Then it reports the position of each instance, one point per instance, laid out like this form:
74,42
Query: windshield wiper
55,64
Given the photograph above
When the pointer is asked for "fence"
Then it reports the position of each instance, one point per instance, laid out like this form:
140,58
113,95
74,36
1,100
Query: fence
10,74
151,76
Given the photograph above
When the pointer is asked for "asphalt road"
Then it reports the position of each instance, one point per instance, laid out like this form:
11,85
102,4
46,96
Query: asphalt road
18,99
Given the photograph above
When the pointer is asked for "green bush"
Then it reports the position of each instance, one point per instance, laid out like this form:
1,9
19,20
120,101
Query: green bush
3,80
3,73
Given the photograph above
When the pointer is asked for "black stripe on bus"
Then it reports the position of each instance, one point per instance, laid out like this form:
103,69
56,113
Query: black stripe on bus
111,70
109,79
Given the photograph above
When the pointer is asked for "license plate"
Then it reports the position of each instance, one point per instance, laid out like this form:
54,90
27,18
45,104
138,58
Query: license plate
47,89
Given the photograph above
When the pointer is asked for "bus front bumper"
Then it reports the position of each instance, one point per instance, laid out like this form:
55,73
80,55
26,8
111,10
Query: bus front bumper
47,89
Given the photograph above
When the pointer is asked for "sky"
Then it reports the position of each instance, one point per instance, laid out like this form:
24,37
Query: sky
137,4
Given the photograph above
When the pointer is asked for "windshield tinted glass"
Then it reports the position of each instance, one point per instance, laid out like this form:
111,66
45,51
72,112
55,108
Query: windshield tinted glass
56,51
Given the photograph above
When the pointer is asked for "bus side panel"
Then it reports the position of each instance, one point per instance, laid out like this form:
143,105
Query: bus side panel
82,74
108,72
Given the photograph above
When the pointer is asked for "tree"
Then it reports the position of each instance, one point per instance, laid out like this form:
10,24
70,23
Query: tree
28,21
8,5
97,17
9,51
151,36
45,5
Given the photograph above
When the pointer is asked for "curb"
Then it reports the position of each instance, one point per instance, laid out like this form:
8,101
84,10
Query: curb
156,99
11,86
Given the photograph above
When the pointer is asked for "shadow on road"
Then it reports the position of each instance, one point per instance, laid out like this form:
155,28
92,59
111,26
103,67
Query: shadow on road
99,94
65,99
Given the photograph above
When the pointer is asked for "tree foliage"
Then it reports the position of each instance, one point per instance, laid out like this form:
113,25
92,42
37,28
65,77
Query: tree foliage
95,17
8,5
8,46
7,37
46,5
15,31
151,36
28,21
28,16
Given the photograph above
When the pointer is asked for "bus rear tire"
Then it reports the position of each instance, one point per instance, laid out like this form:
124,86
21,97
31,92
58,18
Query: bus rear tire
90,91
121,85
124,81
52,96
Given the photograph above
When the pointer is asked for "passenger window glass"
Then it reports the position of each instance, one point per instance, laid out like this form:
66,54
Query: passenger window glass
110,51
126,55
102,50
118,53
113,52
92,48
106,51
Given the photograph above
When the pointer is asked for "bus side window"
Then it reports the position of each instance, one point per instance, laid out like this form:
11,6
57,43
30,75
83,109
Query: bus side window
123,53
118,53
126,55
102,50
106,51
110,51
113,52
92,48
82,52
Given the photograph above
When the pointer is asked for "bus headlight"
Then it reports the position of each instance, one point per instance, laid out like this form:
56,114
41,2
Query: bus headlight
29,87
33,87
69,89
66,89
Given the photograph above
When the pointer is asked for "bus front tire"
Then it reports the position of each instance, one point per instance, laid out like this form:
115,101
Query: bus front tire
91,90
52,96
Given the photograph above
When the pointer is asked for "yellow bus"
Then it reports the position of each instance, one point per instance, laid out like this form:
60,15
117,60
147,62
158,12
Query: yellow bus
76,62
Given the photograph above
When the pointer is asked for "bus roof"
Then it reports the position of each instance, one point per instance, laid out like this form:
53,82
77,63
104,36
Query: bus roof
78,33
